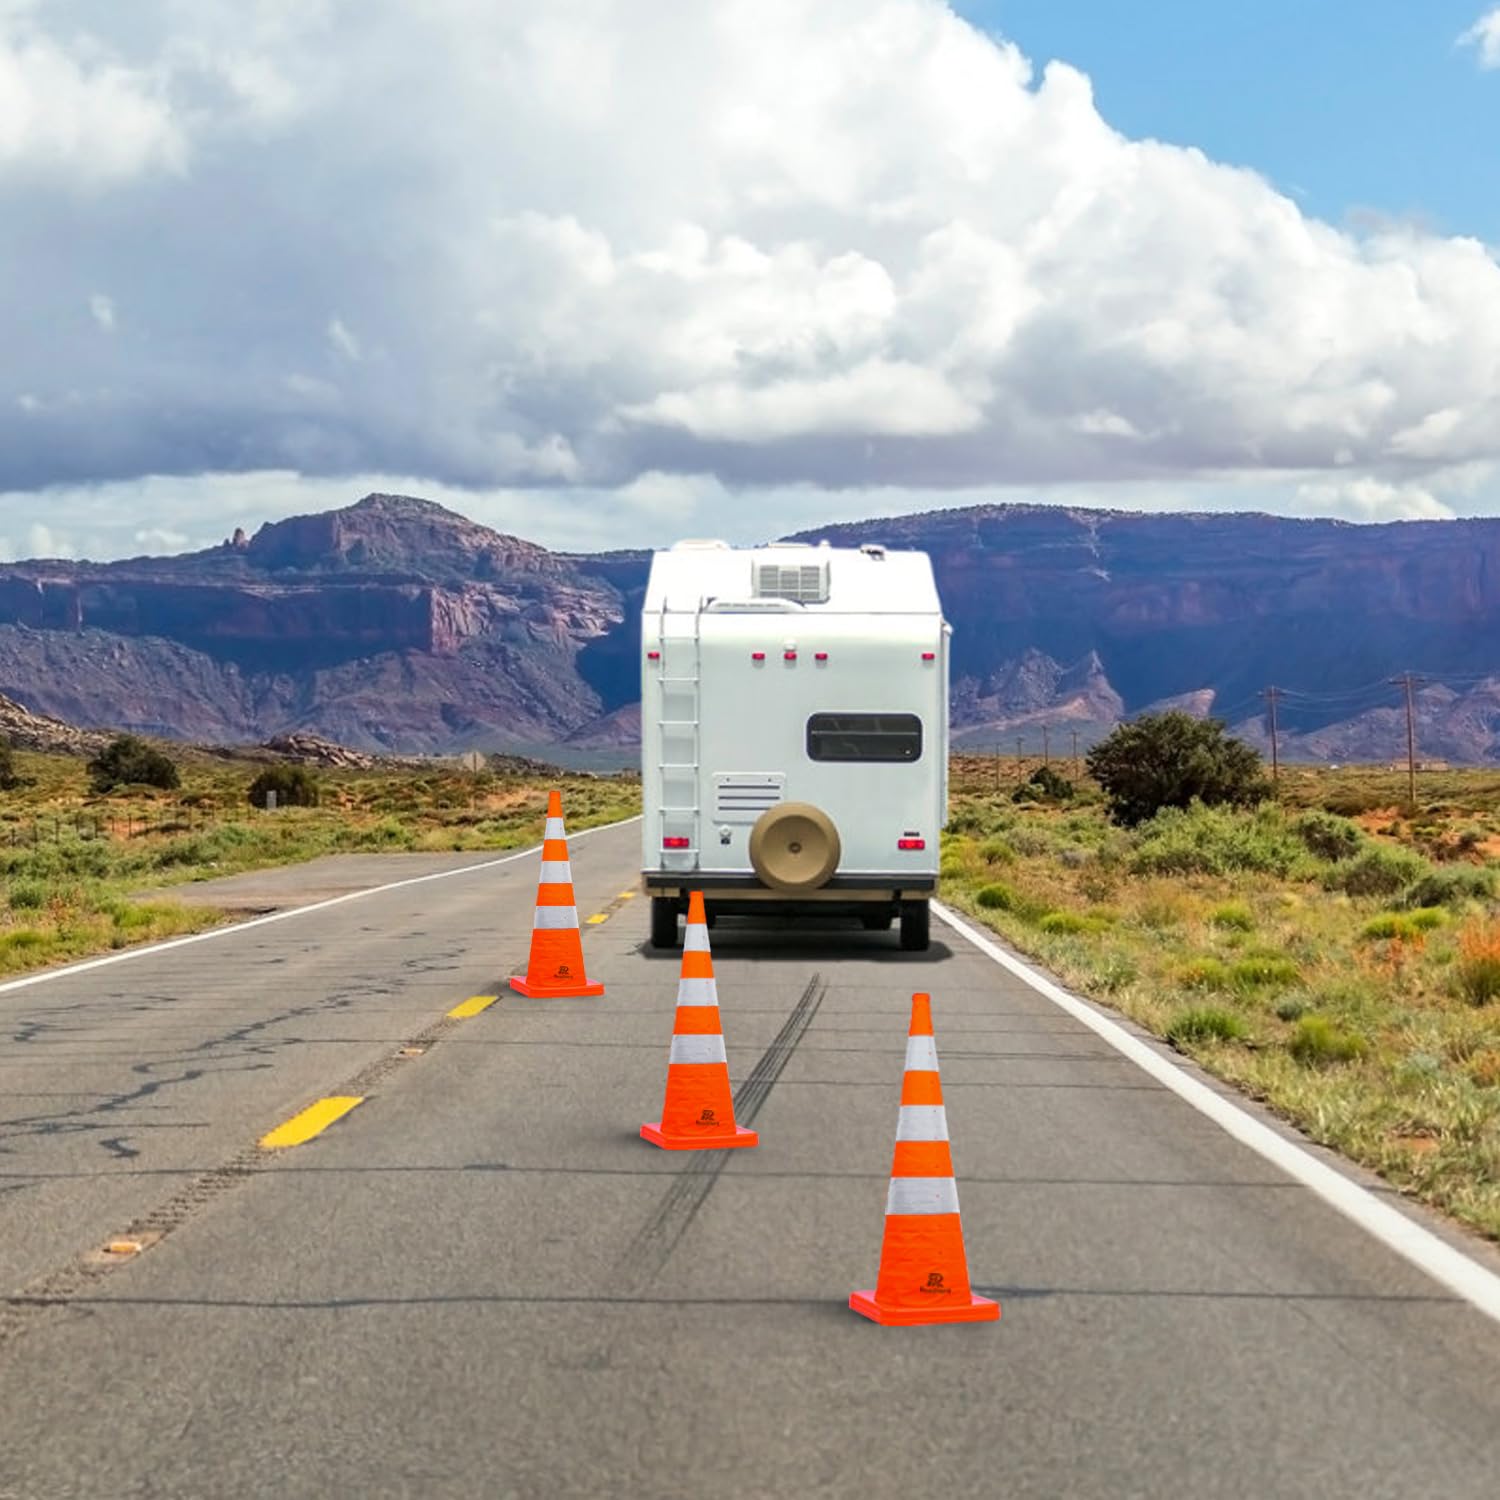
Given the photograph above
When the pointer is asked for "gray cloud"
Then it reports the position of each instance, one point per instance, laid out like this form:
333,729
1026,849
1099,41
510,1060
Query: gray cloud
554,249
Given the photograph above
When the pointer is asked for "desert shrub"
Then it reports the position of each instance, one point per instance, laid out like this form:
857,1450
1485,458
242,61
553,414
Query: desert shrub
10,778
1171,760
997,852
1317,1042
1291,1009
1206,1023
1233,916
1204,974
1477,972
28,895
1261,971
1455,886
1402,925
295,786
1328,836
1044,785
998,896
1377,871
1066,923
1202,840
130,761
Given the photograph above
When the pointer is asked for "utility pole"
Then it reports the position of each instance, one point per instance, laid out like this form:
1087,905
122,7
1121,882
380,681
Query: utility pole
1020,760
1408,681
1271,694
1076,771
997,765
1046,745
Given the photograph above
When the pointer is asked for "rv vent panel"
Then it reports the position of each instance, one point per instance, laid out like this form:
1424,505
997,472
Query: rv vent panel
742,796
806,583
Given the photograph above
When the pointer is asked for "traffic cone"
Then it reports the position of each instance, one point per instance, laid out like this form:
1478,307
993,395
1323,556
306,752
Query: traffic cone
698,1113
555,968
924,1275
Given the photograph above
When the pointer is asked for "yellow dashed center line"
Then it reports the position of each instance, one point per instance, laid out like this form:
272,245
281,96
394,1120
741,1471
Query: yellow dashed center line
313,1120
597,918
473,1006
626,896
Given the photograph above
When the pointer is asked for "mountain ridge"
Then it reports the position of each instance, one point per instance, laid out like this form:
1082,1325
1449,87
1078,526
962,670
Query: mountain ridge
396,624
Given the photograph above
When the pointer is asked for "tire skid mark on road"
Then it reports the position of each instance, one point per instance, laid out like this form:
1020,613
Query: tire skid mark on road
654,1243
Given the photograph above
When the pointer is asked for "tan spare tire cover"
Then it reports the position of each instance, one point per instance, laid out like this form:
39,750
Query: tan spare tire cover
795,847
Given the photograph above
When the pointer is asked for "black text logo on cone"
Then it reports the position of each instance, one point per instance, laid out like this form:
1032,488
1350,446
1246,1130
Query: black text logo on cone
698,1113
924,1274
555,968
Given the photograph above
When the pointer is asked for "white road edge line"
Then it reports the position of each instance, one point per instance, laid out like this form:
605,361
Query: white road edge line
285,916
1465,1277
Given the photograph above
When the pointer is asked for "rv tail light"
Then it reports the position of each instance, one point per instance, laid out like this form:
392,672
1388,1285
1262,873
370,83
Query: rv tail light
820,656
653,656
789,656
929,656
911,843
757,656
676,841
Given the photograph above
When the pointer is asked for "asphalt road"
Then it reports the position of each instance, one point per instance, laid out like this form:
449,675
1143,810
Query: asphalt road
482,1283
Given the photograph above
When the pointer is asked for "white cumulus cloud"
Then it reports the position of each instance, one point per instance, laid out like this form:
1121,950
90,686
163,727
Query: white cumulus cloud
505,247
1484,37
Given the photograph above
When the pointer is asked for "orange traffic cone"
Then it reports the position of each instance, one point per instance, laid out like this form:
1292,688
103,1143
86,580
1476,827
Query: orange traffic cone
555,968
924,1275
698,1113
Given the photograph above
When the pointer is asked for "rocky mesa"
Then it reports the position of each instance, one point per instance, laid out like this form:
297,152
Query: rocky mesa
396,625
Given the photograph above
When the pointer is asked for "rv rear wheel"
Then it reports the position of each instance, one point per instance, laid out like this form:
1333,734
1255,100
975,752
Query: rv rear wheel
663,921
916,926
794,847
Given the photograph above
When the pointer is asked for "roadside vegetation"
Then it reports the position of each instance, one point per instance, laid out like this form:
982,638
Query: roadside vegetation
78,865
1333,952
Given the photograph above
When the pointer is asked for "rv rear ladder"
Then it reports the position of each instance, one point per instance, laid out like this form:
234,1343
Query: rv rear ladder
680,749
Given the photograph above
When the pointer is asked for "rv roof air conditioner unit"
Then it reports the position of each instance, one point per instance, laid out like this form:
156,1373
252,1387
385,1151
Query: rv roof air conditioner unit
803,583
696,544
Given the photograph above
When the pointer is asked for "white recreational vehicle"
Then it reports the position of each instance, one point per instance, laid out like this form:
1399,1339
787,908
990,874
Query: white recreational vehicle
794,733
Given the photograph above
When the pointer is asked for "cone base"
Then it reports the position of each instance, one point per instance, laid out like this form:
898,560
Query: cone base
976,1310
739,1136
523,986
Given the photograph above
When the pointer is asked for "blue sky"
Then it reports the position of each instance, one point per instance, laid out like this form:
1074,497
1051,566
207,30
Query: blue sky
1348,105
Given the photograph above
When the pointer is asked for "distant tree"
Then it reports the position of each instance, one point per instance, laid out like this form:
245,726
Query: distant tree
295,786
1170,760
10,778
130,761
1044,785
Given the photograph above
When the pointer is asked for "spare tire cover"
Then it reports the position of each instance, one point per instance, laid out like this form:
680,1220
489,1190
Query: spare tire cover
794,846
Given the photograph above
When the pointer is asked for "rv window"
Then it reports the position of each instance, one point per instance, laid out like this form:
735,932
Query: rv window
864,737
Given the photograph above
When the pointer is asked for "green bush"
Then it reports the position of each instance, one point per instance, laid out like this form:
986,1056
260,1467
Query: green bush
28,895
1262,971
1172,760
998,896
997,852
1201,840
1206,1023
1378,871
1455,886
10,778
1404,925
1044,785
1232,917
1317,1042
1328,836
1204,974
295,786
1067,923
130,761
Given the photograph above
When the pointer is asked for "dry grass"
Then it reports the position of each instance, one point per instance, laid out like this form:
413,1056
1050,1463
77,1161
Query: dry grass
71,893
1336,990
